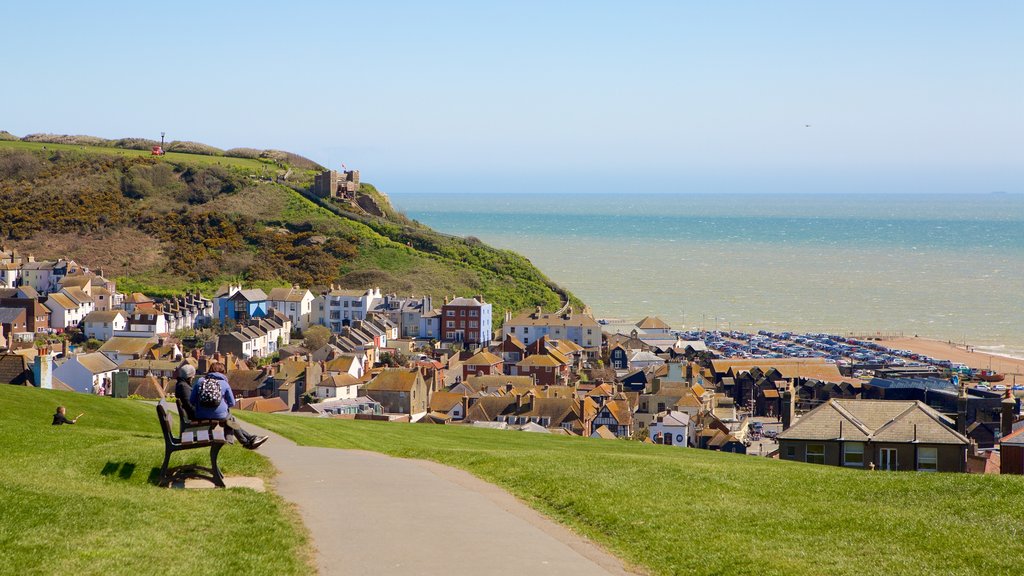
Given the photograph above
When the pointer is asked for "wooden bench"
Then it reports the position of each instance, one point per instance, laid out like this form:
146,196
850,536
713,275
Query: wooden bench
195,435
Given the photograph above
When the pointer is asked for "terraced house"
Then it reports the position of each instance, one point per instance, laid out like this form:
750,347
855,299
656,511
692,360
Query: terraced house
582,329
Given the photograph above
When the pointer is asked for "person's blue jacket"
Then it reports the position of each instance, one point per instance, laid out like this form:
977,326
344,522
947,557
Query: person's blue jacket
226,402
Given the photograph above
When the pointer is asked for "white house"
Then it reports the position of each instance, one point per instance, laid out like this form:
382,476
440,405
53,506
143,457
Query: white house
352,364
673,428
144,322
86,372
295,303
102,325
338,387
68,308
337,308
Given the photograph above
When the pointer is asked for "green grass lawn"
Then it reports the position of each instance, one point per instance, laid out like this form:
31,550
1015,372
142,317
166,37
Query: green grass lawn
172,157
79,499
686,511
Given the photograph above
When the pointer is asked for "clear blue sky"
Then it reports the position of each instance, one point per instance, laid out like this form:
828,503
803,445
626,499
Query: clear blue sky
907,96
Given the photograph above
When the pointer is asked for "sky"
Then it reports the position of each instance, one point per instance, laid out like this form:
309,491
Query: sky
477,97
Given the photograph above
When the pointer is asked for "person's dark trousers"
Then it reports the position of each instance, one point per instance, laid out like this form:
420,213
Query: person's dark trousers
236,428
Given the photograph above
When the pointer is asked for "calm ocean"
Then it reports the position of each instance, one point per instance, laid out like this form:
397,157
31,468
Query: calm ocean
943,266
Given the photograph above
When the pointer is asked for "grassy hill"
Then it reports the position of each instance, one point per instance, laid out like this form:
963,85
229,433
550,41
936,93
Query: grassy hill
685,511
195,221
79,499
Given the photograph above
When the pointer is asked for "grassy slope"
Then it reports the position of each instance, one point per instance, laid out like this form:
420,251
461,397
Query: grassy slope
77,499
684,511
443,266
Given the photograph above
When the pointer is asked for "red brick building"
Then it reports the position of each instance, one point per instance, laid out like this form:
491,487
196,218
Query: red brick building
466,320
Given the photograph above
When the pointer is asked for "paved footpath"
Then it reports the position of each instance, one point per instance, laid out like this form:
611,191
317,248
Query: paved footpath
374,514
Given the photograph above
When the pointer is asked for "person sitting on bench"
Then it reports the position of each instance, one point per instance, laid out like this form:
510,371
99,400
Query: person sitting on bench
211,399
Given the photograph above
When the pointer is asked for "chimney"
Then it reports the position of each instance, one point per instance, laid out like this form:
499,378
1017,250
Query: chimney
961,410
42,371
64,347
787,408
689,373
465,406
479,298
1009,406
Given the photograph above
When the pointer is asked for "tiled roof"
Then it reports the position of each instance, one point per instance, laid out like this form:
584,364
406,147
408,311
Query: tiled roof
291,294
442,401
483,358
875,420
265,405
539,360
96,362
103,316
652,323
339,381
394,379
604,432
61,300
128,345
14,369
546,319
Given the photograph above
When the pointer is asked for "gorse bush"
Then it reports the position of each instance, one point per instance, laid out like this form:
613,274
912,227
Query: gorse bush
187,147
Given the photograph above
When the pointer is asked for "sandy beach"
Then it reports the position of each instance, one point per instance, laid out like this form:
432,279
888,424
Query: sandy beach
957,353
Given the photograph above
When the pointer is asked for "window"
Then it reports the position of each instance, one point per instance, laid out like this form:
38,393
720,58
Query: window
590,331
474,313
815,454
927,459
450,324
449,313
853,454
512,330
346,304
526,330
462,312
472,324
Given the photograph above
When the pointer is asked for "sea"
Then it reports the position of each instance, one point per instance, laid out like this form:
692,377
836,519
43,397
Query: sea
949,267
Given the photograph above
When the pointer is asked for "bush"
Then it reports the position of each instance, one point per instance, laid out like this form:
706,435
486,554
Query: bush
79,140
187,147
19,165
5,135
244,153
291,159
135,143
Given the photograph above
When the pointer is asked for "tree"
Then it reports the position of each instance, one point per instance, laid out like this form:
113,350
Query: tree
316,337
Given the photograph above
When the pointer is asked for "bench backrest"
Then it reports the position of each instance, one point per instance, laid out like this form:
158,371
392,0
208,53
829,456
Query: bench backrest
165,420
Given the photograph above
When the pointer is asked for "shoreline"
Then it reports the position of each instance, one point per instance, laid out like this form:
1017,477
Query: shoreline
1001,363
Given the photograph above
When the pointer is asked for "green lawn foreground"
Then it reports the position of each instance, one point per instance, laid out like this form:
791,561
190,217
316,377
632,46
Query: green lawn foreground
78,499
685,511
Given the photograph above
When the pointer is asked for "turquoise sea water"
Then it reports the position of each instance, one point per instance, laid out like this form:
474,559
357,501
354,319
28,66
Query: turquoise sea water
943,266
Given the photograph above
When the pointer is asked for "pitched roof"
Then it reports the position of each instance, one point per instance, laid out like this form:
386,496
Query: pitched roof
339,381
460,301
442,401
483,358
265,405
59,300
395,380
128,345
653,323
539,360
104,316
604,432
96,362
291,294
14,369
147,386
875,420
479,383
549,319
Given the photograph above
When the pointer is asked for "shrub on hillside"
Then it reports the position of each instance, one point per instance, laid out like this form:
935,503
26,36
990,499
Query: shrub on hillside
142,181
20,165
291,159
5,135
76,140
135,143
193,148
251,153
205,184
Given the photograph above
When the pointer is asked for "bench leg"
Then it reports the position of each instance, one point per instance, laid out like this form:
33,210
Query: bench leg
164,480
218,478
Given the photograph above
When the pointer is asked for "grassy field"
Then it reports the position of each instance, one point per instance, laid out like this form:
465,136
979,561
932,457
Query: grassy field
172,157
79,499
683,511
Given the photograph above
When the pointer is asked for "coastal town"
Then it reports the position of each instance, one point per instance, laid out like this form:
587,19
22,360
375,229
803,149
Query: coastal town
855,401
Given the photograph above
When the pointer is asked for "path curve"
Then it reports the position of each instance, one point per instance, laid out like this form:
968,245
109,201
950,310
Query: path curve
368,513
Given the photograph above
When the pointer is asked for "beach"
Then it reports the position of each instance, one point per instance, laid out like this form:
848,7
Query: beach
957,353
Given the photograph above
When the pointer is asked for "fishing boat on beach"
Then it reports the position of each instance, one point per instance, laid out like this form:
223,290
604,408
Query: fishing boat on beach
989,376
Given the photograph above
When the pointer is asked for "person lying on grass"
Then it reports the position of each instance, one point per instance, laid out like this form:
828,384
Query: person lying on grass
60,417
211,399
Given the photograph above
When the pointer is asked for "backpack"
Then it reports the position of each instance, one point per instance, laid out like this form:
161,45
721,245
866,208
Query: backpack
210,394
